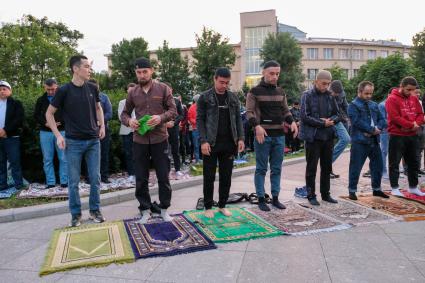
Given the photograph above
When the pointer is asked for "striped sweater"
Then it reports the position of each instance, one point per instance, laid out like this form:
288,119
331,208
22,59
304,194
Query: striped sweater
266,106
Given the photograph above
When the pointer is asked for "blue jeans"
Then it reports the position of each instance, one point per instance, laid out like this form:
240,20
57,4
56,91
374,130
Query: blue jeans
271,149
195,139
10,151
359,153
343,140
48,148
75,151
384,150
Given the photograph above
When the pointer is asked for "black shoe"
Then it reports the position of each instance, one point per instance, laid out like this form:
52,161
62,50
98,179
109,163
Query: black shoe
366,174
64,185
96,216
50,187
76,220
262,205
352,196
380,194
313,201
276,203
329,199
334,176
421,172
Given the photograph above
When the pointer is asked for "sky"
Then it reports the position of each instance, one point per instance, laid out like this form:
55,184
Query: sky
104,23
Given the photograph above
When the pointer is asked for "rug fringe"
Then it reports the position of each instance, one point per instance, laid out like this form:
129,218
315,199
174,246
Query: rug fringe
324,230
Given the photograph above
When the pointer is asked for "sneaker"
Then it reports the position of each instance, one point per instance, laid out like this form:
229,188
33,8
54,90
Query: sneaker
352,196
132,179
76,220
64,185
329,199
96,216
179,175
333,175
301,192
313,201
379,193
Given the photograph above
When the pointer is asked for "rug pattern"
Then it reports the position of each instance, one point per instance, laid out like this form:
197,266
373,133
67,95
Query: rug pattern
88,245
159,238
297,220
242,225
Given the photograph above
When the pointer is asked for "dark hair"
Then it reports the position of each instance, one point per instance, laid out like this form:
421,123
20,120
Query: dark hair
271,63
296,102
76,61
50,82
409,81
222,72
363,84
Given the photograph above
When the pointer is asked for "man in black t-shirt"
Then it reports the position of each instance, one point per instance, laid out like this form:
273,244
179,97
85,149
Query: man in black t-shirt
84,125
221,134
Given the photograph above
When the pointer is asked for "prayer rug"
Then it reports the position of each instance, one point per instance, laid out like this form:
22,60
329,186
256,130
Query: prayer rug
159,238
297,220
414,197
8,192
351,213
241,225
88,245
396,206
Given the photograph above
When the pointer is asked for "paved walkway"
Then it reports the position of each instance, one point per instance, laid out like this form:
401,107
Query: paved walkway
375,253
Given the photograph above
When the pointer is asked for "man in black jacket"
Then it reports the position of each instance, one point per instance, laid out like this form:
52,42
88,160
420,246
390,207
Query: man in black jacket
319,114
221,133
11,122
47,138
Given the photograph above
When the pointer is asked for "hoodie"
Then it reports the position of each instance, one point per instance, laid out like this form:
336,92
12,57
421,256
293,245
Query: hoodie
402,112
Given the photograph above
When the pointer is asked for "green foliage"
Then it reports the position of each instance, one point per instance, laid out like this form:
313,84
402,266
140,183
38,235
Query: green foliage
418,49
386,73
122,56
33,50
174,69
283,48
212,51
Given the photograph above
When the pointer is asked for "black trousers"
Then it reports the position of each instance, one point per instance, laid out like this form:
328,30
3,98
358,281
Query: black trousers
224,153
403,147
313,152
173,139
142,156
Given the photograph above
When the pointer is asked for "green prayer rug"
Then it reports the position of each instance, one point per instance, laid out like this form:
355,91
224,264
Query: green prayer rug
242,225
88,245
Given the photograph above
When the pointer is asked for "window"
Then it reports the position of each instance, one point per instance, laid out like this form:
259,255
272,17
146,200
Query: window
311,73
355,72
344,54
328,53
254,39
371,54
313,53
357,54
384,53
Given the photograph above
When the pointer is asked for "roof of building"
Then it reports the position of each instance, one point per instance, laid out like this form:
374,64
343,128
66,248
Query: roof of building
297,33
388,43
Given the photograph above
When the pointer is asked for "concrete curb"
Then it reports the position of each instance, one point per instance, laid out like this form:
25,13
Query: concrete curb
22,213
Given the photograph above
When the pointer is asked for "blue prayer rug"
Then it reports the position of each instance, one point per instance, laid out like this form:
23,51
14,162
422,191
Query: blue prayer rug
160,238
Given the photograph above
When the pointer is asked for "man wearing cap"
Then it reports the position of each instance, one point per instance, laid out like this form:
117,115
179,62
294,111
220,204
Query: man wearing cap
11,121
153,98
267,110
84,126
48,139
319,114
221,134
337,91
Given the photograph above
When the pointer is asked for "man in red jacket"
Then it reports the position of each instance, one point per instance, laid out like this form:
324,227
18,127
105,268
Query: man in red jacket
405,116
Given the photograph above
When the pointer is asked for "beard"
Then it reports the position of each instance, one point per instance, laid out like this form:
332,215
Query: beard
143,83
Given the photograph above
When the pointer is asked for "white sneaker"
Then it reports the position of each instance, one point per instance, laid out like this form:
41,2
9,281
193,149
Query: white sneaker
179,175
396,192
416,191
131,179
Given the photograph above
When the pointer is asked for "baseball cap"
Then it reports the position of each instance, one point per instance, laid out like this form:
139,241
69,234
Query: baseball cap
6,84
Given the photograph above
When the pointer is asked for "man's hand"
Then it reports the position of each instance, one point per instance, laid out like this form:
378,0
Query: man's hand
376,131
294,129
155,120
60,141
102,132
206,148
328,122
170,124
241,146
415,126
260,134
134,124
2,133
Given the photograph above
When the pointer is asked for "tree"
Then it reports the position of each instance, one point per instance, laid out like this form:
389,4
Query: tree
386,73
284,48
418,49
212,51
33,50
174,69
122,58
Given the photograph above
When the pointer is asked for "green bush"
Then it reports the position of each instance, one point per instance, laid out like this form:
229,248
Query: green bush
31,156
